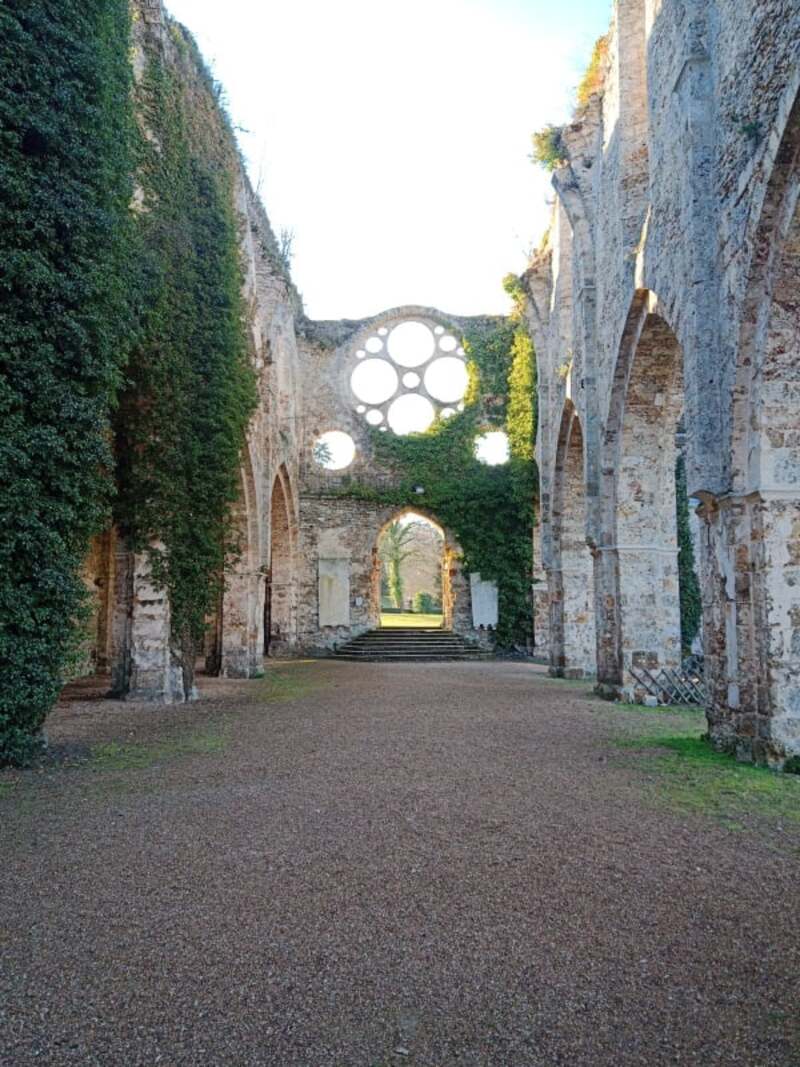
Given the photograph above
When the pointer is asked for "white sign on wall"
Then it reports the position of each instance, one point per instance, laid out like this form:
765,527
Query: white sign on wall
334,592
484,601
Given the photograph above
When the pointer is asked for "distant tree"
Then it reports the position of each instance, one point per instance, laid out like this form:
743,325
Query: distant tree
425,604
397,545
322,454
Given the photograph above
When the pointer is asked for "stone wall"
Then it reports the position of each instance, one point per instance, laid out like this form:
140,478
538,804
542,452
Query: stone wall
346,532
666,288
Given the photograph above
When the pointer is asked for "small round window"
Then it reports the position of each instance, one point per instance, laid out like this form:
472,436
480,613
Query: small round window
492,448
408,373
334,450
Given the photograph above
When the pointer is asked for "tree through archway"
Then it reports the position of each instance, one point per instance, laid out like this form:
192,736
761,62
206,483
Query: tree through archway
411,572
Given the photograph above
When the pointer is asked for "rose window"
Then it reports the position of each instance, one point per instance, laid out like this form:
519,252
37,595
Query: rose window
407,375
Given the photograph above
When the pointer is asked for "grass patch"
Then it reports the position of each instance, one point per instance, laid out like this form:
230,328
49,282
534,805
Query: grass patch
690,776
282,685
408,618
128,755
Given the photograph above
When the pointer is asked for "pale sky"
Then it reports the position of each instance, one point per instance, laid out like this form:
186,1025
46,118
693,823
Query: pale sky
394,138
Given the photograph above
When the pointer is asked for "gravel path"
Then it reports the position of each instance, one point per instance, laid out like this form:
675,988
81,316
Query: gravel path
364,865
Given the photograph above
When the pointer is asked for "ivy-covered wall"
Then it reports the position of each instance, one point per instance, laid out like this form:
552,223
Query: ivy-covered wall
190,384
125,380
66,166
489,509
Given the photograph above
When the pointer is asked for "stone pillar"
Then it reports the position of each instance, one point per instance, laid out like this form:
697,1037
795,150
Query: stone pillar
607,620
649,612
541,600
143,666
751,580
242,637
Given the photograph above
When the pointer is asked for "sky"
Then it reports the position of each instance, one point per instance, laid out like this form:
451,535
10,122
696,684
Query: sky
393,139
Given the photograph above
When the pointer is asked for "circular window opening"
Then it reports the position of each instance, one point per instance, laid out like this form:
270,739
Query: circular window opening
411,344
446,379
382,331
492,448
448,343
411,379
411,413
447,413
334,450
374,381
374,344
375,417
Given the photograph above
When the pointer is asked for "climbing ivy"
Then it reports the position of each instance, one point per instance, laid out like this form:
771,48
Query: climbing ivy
65,236
191,388
489,509
688,585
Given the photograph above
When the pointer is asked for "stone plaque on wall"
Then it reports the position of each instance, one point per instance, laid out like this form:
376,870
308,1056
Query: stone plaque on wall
484,601
334,592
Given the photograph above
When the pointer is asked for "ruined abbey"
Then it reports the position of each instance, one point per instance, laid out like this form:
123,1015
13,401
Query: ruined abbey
664,299
664,311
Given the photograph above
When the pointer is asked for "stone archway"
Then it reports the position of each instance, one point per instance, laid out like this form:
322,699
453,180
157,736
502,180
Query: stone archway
753,665
280,611
240,638
636,574
447,556
571,579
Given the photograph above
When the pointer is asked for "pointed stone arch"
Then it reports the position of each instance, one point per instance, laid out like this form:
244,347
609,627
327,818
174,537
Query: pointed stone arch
754,532
280,615
450,554
570,576
636,573
240,638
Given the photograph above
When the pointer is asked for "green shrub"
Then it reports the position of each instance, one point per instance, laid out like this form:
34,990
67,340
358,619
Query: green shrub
593,78
65,253
688,586
191,386
426,604
549,149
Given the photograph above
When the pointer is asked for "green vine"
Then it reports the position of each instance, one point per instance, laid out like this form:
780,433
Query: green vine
66,156
191,388
489,509
688,585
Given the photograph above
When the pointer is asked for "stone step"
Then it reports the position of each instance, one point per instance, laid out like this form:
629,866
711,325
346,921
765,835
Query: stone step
405,657
394,645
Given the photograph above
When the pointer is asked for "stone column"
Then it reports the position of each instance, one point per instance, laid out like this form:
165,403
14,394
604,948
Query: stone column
242,638
143,666
751,580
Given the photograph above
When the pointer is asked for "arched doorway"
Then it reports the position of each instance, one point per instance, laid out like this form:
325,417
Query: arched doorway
755,534
280,594
571,579
411,572
638,595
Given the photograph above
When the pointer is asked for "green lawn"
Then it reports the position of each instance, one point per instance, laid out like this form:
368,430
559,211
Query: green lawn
682,768
433,622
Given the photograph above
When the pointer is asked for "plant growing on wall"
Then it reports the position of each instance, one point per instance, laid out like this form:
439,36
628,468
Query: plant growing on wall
594,76
549,149
66,242
689,587
191,388
489,509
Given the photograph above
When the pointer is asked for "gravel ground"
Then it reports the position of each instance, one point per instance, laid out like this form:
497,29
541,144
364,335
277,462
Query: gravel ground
366,864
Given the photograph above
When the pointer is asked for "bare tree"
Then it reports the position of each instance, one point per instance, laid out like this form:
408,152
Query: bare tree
397,545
